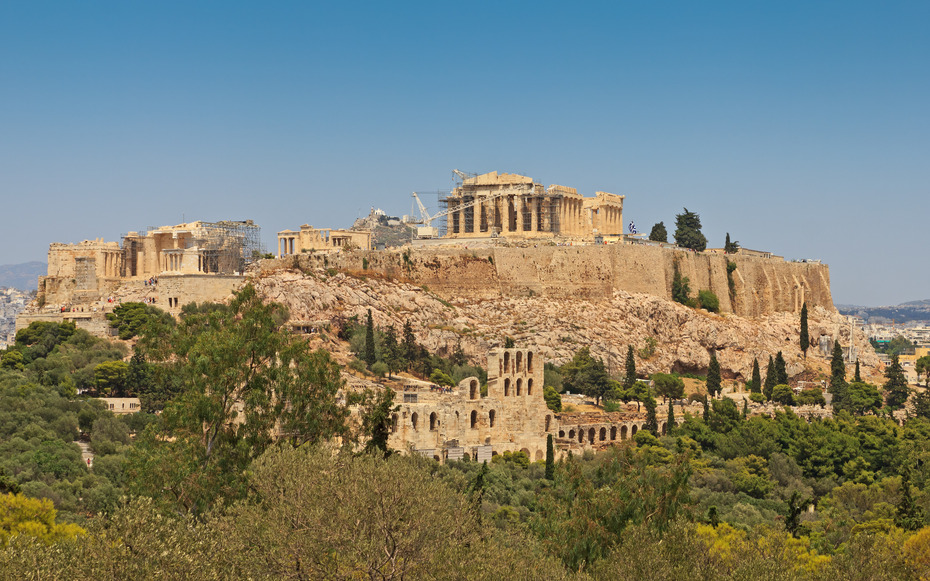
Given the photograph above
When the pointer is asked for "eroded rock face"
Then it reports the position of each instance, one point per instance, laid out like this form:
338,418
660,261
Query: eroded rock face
684,337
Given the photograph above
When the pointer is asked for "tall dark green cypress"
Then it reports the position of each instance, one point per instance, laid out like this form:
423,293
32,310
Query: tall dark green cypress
805,336
652,421
857,377
769,379
896,389
745,408
550,458
670,422
838,377
781,371
706,403
908,515
713,376
756,386
370,356
630,377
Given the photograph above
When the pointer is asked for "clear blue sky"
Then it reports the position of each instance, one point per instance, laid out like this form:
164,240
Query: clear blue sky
802,128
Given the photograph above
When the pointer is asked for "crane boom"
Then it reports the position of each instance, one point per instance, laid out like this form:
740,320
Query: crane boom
427,219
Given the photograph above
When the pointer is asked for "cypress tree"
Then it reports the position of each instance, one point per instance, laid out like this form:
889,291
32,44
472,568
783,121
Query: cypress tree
857,377
550,458
392,351
838,377
706,410
652,421
756,386
908,515
713,376
630,378
370,356
745,408
411,352
769,379
670,422
781,371
805,337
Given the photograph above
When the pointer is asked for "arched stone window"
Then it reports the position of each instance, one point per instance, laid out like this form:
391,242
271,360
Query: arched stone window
580,436
474,419
433,423
664,428
562,434
506,386
603,434
413,420
591,435
613,433
506,361
473,391
527,452
491,418
393,423
571,434
529,362
633,431
529,386
519,362
519,385
623,432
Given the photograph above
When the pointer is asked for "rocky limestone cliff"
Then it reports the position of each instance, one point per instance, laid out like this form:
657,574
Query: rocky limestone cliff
758,286
559,325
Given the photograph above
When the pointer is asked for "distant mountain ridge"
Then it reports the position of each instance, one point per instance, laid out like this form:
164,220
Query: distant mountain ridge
909,311
23,276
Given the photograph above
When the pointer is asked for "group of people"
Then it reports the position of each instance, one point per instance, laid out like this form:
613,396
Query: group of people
151,281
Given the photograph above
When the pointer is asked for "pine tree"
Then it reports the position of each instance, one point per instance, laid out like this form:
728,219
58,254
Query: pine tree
670,422
769,379
756,386
370,355
713,376
781,371
688,231
550,458
838,386
659,233
730,247
896,389
805,336
630,377
857,377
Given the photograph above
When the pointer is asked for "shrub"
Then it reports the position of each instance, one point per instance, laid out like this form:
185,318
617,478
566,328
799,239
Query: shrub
357,365
553,398
379,368
782,394
709,301
756,397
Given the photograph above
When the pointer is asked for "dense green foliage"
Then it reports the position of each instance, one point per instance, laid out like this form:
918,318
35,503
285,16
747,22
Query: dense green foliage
658,233
708,300
681,287
131,318
688,231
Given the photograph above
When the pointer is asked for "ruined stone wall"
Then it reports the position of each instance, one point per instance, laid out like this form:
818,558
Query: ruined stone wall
760,286
175,291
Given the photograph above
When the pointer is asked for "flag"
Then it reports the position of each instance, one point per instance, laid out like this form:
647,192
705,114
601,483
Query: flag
632,227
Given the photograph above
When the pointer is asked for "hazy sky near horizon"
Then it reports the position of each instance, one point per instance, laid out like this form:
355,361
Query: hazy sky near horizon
802,128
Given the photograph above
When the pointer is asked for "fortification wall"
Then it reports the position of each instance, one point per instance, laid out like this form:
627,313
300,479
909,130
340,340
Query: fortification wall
760,286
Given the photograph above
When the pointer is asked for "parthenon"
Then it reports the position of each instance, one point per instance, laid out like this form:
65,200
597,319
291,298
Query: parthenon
513,205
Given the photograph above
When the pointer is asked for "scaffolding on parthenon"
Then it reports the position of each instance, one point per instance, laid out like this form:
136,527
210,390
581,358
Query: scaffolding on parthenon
487,215
229,245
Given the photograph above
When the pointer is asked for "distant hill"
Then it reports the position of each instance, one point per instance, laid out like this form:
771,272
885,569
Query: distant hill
22,276
909,311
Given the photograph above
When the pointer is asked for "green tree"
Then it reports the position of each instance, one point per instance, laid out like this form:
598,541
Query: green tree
139,375
805,336
811,396
391,351
245,378
629,377
730,247
652,421
688,231
681,287
860,398
795,508
713,376
923,368
553,398
110,378
838,384
35,517
782,394
857,376
908,515
370,354
586,374
550,458
130,318
668,385
781,370
375,412
670,420
658,233
13,360
896,389
756,384
770,379
411,349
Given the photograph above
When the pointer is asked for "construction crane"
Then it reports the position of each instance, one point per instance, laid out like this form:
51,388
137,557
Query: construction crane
427,231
